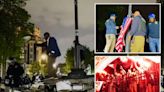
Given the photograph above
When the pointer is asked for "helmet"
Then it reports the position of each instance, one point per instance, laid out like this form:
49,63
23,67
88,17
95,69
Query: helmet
11,60
113,14
151,15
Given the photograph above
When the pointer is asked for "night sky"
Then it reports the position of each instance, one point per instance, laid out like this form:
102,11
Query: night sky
57,17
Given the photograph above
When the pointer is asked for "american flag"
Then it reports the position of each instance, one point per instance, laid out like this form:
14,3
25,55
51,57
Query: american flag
124,28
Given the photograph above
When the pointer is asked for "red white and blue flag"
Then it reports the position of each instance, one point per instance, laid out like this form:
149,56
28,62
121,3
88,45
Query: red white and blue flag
124,28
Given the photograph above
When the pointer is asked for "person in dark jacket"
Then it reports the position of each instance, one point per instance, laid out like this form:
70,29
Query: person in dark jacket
52,51
153,33
14,72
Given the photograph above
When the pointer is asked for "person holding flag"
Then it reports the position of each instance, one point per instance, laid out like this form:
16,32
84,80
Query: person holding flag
124,28
138,32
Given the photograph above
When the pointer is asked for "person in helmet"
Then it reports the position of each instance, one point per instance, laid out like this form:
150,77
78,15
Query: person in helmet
153,33
111,32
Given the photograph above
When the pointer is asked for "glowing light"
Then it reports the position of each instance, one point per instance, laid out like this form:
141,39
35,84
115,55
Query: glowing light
54,65
44,56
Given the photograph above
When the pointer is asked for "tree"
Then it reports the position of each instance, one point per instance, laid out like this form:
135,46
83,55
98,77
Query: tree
14,24
87,57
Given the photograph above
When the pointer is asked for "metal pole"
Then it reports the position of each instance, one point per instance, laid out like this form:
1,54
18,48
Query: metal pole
76,15
128,37
130,10
77,53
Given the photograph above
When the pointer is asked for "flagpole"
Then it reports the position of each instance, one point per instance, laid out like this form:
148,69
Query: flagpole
76,50
130,10
76,71
128,37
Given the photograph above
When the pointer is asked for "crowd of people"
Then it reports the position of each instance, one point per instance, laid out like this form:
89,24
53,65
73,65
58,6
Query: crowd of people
129,81
139,32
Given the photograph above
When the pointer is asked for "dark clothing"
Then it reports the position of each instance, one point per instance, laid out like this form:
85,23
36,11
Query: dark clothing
15,70
53,46
153,30
14,73
49,46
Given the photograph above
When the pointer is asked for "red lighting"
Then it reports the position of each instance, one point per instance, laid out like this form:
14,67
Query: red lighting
120,73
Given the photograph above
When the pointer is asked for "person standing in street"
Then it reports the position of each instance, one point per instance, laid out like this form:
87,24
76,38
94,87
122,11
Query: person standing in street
52,51
153,33
138,32
111,32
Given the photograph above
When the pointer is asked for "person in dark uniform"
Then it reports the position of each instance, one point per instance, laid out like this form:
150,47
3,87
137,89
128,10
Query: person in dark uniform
14,72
